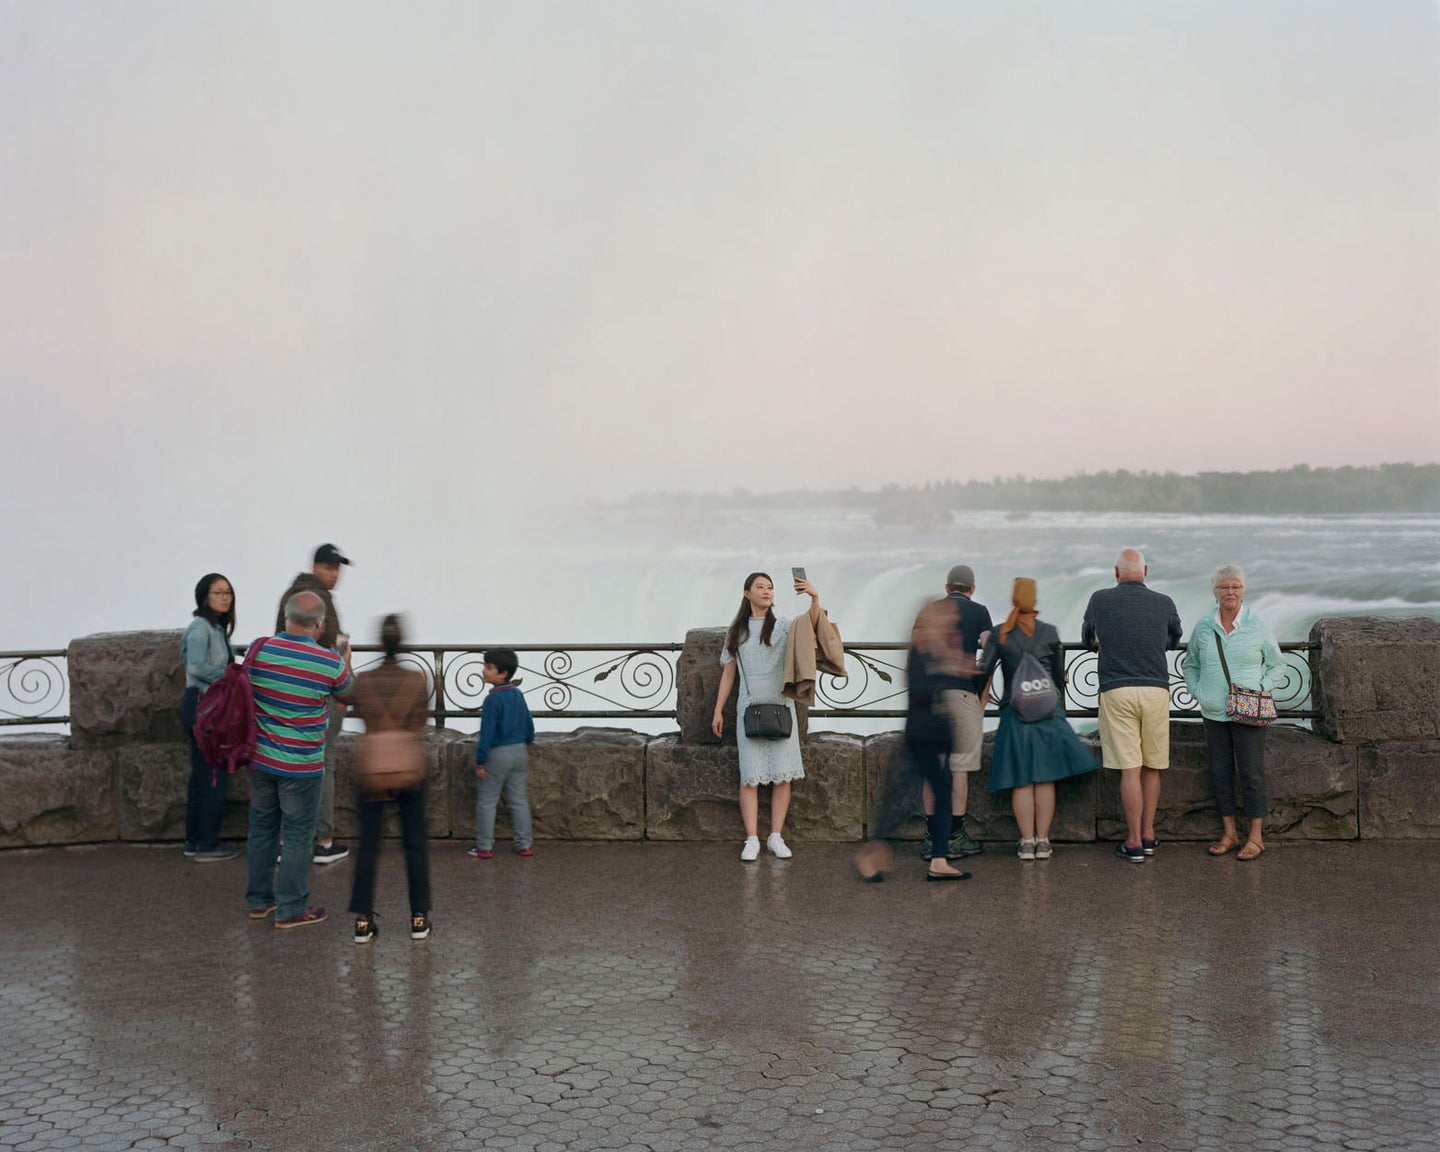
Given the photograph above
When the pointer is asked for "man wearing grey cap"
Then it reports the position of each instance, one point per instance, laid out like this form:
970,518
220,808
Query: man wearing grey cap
324,574
967,714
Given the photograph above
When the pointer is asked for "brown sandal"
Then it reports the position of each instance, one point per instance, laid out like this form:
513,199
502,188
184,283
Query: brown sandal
1223,845
1253,849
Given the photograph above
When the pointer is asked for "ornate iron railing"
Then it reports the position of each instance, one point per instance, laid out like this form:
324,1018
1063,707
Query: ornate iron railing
34,688
636,682
875,684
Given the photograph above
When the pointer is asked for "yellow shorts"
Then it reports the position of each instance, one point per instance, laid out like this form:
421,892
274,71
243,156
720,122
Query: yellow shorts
1135,727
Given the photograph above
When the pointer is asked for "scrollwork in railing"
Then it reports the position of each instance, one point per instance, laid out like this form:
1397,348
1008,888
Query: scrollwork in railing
34,688
414,661
874,683
584,680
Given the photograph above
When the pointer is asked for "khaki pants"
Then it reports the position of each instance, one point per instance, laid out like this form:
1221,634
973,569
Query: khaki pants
325,824
967,725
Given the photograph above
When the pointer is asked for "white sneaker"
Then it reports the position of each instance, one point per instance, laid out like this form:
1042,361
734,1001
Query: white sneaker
778,847
751,851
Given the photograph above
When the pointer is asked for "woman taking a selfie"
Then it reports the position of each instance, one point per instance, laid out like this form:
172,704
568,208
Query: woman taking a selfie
755,644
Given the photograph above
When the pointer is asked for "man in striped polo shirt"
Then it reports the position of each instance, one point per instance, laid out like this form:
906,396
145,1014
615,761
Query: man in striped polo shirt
292,679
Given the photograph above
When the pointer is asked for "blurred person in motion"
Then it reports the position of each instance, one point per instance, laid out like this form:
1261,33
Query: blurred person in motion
935,659
205,652
1132,627
502,756
392,700
962,702
755,643
293,679
1031,755
322,578
1253,657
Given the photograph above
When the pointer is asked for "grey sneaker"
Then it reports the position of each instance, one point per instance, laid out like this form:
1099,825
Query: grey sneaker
963,844
1027,850
927,847
219,852
1043,851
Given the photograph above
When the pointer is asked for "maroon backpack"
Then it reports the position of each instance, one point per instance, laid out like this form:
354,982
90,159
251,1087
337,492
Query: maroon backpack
225,730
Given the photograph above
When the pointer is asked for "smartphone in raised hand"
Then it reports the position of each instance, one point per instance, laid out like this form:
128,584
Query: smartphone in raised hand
797,574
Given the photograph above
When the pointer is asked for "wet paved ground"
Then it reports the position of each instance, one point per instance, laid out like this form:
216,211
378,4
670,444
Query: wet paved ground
666,997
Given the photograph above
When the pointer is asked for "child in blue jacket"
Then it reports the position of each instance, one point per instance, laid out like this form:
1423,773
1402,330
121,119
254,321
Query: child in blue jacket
502,756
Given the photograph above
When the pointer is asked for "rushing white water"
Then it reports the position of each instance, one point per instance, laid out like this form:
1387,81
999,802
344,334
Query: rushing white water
646,576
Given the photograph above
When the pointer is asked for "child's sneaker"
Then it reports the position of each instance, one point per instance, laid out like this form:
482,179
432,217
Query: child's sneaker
482,853
751,851
1043,851
524,851
365,928
1027,850
778,847
420,926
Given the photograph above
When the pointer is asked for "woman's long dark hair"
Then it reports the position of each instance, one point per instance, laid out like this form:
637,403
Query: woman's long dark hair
225,622
391,636
740,626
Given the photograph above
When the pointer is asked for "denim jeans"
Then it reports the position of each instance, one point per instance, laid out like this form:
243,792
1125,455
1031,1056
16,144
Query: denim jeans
325,822
281,806
205,797
505,771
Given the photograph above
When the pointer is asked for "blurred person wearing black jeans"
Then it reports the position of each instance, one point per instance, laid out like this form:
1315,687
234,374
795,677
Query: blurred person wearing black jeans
393,699
935,659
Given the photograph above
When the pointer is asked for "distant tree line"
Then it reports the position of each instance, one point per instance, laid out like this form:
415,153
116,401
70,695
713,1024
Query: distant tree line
1299,490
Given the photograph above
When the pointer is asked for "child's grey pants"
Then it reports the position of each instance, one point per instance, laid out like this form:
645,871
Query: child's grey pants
505,771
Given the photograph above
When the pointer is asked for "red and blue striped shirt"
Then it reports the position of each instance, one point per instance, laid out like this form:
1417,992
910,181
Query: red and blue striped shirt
292,679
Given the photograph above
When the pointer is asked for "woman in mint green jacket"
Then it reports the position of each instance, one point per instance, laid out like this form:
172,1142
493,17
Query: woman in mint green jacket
1253,657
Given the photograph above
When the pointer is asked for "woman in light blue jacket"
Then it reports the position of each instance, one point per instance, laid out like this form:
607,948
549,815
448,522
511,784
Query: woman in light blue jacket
205,650
1253,658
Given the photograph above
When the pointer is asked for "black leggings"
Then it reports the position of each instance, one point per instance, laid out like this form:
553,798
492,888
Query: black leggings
417,851
1233,747
900,795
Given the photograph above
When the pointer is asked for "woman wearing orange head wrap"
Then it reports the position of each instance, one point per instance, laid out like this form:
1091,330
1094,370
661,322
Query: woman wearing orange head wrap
1031,754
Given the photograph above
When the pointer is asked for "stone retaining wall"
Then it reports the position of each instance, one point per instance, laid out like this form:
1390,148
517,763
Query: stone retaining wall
1370,769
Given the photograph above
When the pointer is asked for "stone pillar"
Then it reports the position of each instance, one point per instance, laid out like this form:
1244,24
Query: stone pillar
697,681
125,687
51,793
1376,679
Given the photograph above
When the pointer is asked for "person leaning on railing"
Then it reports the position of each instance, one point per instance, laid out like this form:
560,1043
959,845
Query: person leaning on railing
1253,657
205,652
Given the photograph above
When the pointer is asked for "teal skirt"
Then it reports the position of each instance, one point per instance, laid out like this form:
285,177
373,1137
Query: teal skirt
1037,753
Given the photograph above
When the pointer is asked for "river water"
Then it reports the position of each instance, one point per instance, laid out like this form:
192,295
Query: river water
650,576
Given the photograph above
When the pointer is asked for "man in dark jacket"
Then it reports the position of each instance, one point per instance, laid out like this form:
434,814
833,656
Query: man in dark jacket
1133,627
324,574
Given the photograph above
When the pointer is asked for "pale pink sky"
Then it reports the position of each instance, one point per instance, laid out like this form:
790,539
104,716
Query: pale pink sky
632,245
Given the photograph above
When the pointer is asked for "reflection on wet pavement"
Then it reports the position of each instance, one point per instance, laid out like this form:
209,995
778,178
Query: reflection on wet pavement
648,996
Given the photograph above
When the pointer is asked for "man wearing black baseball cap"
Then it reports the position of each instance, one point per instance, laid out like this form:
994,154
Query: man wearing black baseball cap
324,574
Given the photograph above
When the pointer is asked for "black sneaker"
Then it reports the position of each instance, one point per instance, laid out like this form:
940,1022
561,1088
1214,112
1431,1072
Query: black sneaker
219,852
365,928
1132,852
329,853
963,844
927,847
420,926
1148,845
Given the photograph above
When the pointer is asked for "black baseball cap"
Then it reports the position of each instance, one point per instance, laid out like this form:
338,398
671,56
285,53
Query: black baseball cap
329,554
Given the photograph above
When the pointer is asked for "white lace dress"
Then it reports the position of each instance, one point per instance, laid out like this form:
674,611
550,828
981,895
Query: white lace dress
765,761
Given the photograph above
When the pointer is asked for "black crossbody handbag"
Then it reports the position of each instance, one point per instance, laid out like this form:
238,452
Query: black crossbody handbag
764,721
